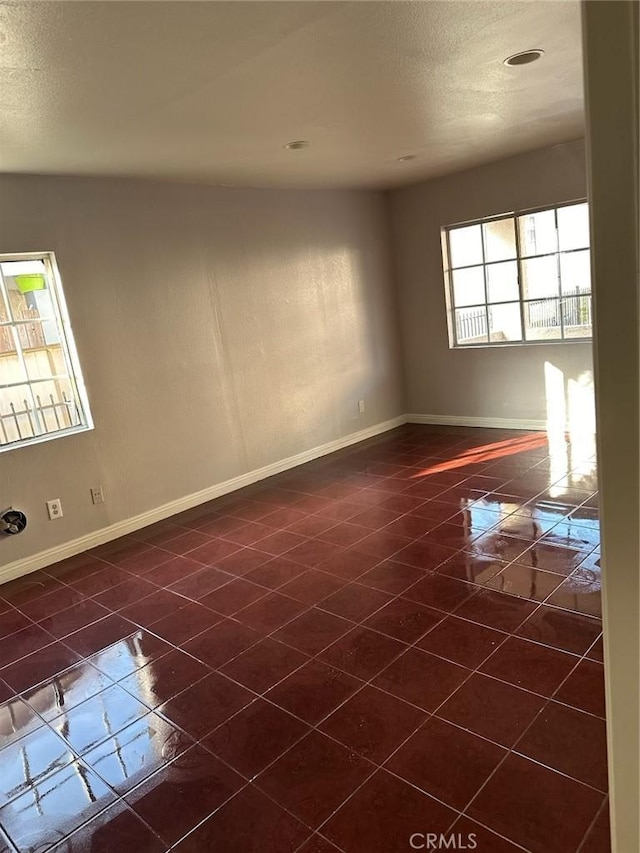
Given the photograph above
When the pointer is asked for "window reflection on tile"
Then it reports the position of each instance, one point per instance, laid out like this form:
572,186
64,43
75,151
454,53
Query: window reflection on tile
5,844
130,654
54,807
16,719
122,710
102,716
477,568
138,750
28,760
579,592
164,678
67,690
525,582
570,535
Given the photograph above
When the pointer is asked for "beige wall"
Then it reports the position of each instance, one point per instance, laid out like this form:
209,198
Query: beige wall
611,86
505,382
219,330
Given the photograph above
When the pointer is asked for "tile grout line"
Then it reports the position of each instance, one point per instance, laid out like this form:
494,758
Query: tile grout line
317,605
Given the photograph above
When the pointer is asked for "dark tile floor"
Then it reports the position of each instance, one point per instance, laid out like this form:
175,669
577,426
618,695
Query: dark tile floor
399,639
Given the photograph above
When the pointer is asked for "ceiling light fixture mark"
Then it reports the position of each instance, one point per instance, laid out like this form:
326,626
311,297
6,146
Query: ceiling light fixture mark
525,57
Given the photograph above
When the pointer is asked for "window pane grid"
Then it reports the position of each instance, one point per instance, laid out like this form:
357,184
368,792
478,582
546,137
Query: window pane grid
520,286
555,215
41,389
486,290
26,322
556,304
65,338
30,399
520,256
58,377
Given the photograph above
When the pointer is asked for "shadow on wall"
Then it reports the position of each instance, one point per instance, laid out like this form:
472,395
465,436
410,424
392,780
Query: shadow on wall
314,331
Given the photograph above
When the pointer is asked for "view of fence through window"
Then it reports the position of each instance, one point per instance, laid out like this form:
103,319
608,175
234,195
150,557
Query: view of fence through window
41,392
520,278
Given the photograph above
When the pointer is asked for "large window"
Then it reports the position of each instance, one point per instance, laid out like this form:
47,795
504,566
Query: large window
41,390
518,279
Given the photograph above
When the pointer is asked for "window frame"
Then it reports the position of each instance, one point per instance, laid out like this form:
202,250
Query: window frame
521,302
67,344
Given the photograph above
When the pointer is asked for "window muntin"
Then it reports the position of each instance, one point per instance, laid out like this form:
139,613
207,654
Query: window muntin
520,278
42,393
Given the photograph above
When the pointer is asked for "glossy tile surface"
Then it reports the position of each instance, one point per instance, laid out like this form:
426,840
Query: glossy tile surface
402,637
431,760
196,781
384,813
525,802
54,806
42,751
116,828
314,777
255,737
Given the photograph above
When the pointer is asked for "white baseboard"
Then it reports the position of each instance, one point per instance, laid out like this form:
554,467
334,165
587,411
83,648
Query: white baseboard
489,423
24,566
98,537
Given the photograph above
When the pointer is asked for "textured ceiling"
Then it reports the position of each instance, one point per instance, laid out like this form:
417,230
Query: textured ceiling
212,91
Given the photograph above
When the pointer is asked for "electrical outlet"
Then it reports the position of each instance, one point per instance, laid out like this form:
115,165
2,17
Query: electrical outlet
361,407
54,508
97,495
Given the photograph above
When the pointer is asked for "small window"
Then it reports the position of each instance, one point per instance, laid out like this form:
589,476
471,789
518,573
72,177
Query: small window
519,279
41,389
